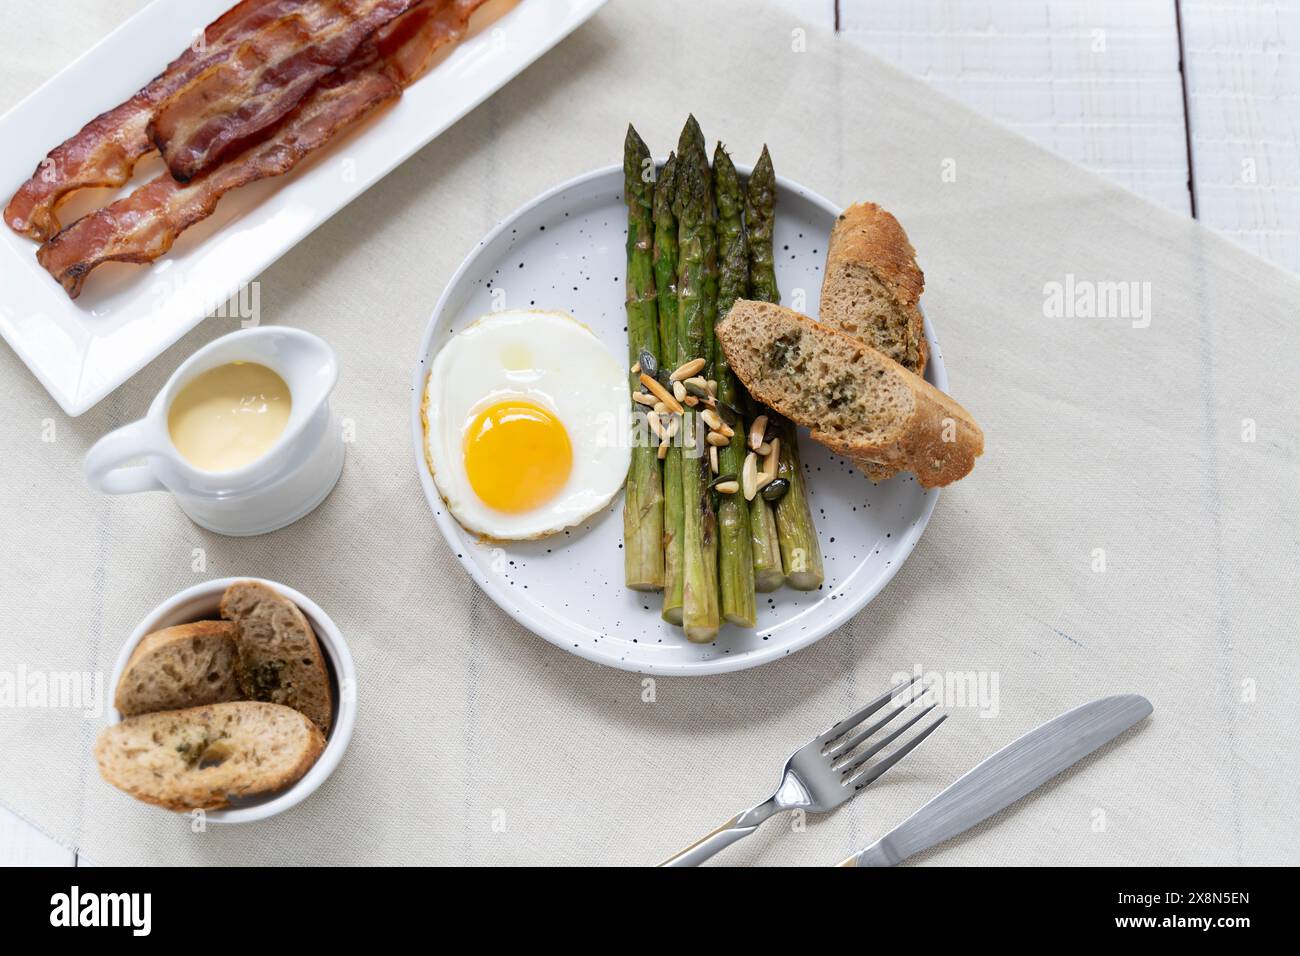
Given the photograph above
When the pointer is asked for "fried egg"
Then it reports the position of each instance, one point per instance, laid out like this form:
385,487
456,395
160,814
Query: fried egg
526,415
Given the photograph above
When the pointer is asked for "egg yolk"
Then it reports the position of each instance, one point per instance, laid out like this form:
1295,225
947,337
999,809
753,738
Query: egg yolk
517,456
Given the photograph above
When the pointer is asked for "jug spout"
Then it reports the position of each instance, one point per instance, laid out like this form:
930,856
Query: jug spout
307,364
305,361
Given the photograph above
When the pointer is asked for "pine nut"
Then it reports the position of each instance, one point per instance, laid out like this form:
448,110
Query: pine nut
749,476
726,429
661,393
660,407
674,424
718,439
652,419
693,367
679,391
727,487
636,368
756,431
713,458
764,479
772,459
644,399
712,420
691,401
663,450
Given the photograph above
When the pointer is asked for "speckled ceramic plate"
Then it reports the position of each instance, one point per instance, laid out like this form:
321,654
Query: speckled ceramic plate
564,251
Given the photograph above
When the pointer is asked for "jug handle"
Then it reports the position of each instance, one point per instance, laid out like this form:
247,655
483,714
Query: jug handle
103,461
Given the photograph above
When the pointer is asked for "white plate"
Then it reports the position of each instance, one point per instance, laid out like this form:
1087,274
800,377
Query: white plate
565,251
128,315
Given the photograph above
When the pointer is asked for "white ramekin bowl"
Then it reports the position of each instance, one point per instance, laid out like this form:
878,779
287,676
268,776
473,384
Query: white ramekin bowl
200,603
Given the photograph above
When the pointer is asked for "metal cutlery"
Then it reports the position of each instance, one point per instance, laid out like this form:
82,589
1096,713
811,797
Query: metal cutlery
826,772
1005,777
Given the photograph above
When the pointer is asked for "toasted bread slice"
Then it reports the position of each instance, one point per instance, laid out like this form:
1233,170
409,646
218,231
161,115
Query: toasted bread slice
873,284
280,659
201,758
871,291
856,401
183,666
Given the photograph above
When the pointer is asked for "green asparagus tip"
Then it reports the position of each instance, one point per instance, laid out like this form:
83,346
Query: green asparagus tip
692,139
664,189
636,157
726,186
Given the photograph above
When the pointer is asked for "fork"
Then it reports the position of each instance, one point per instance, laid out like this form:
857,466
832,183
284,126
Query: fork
824,773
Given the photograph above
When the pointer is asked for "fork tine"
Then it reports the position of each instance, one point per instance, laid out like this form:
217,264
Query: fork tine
858,716
874,749
874,772
849,743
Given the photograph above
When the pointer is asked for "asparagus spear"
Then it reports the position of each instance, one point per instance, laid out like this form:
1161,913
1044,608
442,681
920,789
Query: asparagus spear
643,503
760,217
801,554
735,546
665,259
665,266
697,257
800,551
769,572
760,220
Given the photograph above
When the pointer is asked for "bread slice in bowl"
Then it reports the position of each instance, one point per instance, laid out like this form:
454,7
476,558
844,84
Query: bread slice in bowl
183,666
280,659
855,400
202,758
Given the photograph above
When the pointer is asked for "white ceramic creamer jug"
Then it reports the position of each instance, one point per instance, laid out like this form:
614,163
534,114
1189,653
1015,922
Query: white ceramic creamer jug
285,483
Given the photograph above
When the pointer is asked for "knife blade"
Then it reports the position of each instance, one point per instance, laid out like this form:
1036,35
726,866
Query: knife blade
1005,777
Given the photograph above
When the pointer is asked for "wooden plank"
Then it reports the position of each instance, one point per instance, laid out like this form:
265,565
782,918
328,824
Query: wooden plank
23,845
1094,80
1242,63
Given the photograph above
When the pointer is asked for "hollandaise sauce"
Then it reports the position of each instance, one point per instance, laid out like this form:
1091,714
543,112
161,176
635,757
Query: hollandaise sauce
229,416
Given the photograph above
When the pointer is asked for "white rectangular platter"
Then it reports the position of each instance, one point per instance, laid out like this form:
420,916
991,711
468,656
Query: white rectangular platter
127,315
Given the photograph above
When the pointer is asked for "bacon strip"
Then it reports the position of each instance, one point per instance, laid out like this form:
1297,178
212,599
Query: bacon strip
409,43
236,102
143,226
106,150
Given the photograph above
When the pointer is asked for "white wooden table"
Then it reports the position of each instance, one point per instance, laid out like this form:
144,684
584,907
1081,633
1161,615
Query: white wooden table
1194,104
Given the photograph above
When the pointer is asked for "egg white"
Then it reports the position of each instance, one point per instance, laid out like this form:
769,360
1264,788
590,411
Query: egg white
548,358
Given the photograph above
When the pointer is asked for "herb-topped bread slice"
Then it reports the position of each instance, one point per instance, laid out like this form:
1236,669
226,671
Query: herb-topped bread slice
873,285
183,666
855,400
280,660
201,758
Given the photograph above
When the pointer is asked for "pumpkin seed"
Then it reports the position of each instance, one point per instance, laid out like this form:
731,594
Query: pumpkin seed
776,489
649,364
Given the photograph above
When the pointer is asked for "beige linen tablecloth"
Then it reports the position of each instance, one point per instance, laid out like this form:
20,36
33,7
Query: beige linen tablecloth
1164,452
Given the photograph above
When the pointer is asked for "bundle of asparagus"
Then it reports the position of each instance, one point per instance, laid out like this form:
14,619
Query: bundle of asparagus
714,526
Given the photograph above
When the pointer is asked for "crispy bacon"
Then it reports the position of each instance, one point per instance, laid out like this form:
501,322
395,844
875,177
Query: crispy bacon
409,43
237,102
143,226
106,150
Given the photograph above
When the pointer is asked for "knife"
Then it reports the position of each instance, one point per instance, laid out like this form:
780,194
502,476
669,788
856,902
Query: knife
1005,777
